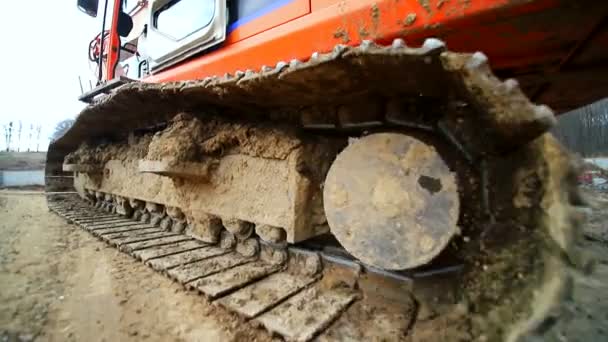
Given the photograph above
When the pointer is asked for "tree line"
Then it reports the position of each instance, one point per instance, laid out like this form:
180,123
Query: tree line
18,134
585,130
14,135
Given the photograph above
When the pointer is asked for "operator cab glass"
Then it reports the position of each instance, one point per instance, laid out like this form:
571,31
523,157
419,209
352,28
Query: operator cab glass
178,29
179,19
88,6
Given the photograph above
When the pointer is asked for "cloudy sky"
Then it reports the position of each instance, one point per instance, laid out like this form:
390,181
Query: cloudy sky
44,50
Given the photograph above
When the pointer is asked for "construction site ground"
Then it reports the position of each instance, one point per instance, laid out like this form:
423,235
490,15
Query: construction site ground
58,283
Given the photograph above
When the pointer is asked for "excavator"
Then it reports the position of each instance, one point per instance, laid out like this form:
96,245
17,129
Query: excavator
341,170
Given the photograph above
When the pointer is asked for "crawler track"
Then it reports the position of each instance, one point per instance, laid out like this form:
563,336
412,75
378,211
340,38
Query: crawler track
517,232
293,300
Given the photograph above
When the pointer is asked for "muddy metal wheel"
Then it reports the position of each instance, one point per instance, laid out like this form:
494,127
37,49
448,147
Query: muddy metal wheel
391,201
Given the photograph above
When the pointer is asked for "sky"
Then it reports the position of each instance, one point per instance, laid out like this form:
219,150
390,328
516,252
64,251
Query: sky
44,50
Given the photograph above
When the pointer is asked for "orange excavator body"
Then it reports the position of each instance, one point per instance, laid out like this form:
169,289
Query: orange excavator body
555,48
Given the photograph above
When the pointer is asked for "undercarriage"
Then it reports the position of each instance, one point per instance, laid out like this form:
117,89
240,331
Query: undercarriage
370,175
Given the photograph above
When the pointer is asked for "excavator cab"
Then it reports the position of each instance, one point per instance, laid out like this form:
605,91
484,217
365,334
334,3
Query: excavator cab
146,36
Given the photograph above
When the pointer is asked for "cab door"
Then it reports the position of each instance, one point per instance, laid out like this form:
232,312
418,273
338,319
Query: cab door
178,29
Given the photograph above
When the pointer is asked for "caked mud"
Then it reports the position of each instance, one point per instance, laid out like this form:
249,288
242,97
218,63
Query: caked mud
248,154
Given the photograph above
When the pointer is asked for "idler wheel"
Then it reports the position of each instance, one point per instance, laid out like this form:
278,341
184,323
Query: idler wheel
391,201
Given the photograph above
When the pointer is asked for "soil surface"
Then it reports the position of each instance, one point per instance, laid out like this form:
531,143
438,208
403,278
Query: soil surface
587,313
58,283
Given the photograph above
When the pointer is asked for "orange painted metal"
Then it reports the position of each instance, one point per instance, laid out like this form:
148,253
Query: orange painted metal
513,33
113,52
290,11
318,4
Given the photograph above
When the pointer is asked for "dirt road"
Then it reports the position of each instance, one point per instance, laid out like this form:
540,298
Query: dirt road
60,284
57,283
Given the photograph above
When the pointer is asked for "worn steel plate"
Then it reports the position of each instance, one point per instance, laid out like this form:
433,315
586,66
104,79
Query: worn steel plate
86,215
81,221
221,283
101,230
121,223
112,230
207,267
176,260
135,236
147,243
391,201
304,315
145,232
165,250
264,294
97,218
96,225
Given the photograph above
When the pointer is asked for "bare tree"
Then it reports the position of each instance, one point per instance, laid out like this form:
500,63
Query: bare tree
19,136
38,129
29,141
61,127
8,135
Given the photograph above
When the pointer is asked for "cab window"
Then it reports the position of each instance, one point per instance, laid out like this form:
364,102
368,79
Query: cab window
180,18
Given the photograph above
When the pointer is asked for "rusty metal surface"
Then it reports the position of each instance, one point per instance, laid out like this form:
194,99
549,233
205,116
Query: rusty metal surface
257,298
92,225
100,218
199,269
135,236
143,243
100,230
184,258
117,223
152,232
112,230
235,278
167,250
391,201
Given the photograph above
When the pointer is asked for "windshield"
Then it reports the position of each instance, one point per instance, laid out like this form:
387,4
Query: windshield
178,19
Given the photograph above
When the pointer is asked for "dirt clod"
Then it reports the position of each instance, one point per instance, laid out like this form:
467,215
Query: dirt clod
189,138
